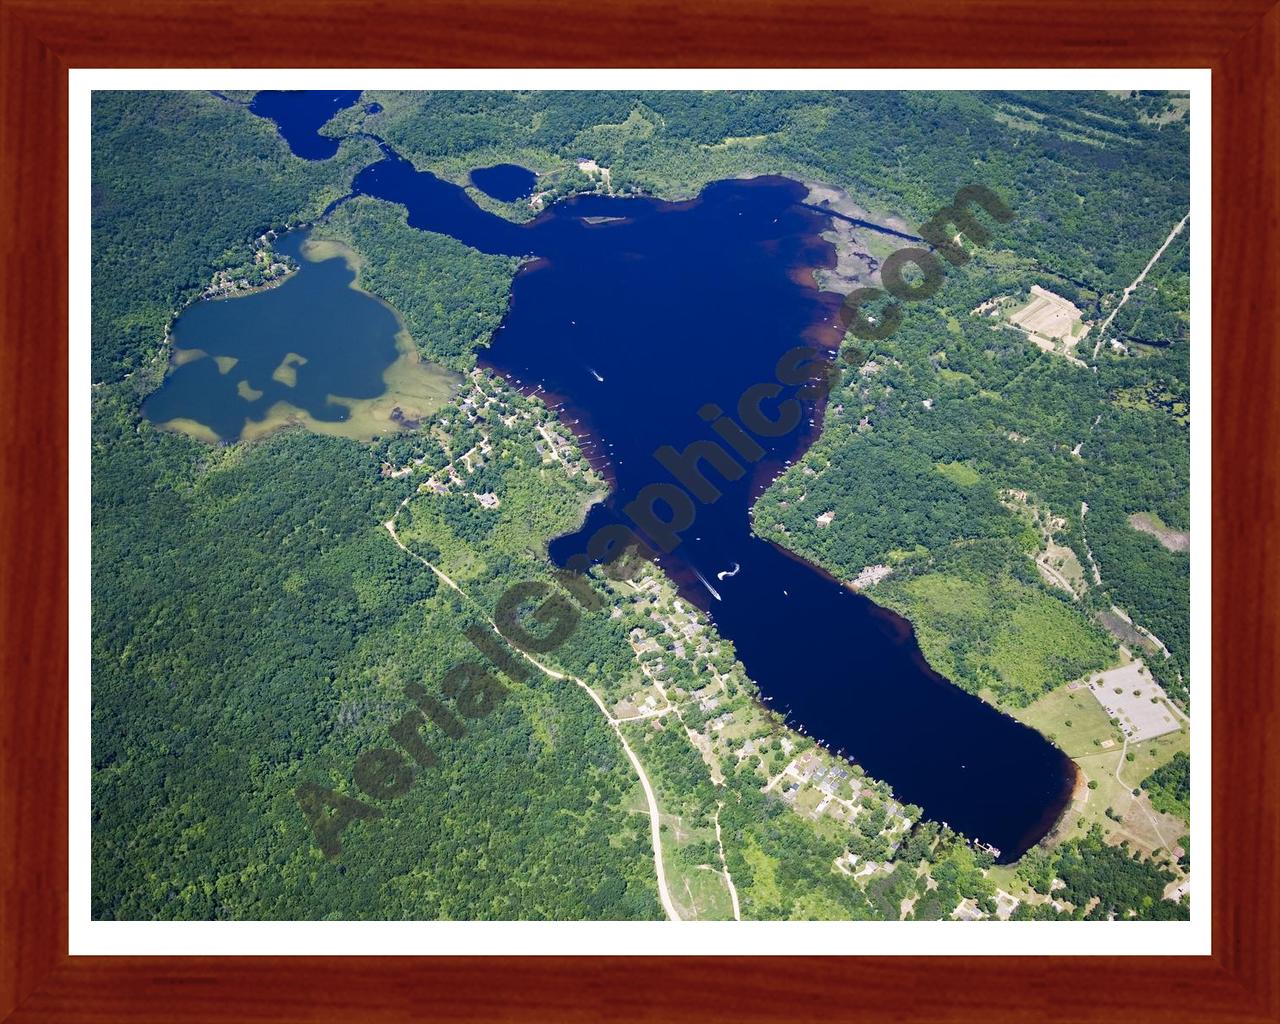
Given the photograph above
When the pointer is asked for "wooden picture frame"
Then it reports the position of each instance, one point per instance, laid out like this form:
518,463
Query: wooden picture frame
41,40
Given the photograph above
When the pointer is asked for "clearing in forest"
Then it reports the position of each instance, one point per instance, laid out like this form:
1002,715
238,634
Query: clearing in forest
1149,522
1051,322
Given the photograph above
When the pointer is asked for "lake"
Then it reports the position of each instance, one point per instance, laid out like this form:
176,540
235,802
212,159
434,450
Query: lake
312,349
507,182
636,316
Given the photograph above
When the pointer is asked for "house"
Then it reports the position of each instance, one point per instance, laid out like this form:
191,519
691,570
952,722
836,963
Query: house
825,519
1005,904
967,910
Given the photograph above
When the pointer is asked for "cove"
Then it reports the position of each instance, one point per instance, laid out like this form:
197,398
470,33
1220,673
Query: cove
507,182
300,115
312,349
636,324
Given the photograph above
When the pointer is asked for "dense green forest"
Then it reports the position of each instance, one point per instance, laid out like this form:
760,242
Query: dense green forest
1103,881
258,630
255,628
1099,184
182,184
1170,786
1146,437
450,296
1114,881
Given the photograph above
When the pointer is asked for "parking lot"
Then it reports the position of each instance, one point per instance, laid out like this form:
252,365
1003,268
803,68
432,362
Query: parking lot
1129,694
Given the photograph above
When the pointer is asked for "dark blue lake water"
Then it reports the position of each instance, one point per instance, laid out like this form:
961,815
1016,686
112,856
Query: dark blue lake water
300,116
507,182
639,323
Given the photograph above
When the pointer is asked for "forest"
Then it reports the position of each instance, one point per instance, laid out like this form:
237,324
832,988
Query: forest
1098,181
450,296
254,628
257,630
182,185
1170,786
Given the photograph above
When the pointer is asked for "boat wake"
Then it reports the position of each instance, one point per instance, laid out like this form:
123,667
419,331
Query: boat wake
710,589
731,573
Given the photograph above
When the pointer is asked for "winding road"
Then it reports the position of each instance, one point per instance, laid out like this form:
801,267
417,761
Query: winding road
668,905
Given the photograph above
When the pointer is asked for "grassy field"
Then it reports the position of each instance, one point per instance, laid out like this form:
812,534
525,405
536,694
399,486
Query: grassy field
1034,642
699,892
948,595
1073,721
1143,826
1016,640
1082,740
959,473
1005,876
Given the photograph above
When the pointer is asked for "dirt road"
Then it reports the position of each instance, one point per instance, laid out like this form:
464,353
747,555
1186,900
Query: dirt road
1137,281
728,878
655,835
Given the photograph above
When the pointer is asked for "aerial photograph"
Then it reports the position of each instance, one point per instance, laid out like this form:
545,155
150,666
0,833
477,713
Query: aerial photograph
641,505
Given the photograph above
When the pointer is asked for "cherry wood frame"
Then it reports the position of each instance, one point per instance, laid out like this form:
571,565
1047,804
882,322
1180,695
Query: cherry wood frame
41,39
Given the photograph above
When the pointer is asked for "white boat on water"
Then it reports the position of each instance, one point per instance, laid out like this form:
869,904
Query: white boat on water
710,589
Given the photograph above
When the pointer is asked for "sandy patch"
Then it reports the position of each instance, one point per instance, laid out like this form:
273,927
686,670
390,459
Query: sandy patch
287,373
592,169
1149,523
841,202
182,356
870,576
191,428
855,265
1051,322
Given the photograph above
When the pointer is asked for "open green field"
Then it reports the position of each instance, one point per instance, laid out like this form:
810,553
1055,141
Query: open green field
959,473
1003,636
1043,639
700,893
1081,740
1140,824
948,595
1072,720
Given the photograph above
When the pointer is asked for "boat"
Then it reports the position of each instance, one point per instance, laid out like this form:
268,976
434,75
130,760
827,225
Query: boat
710,589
